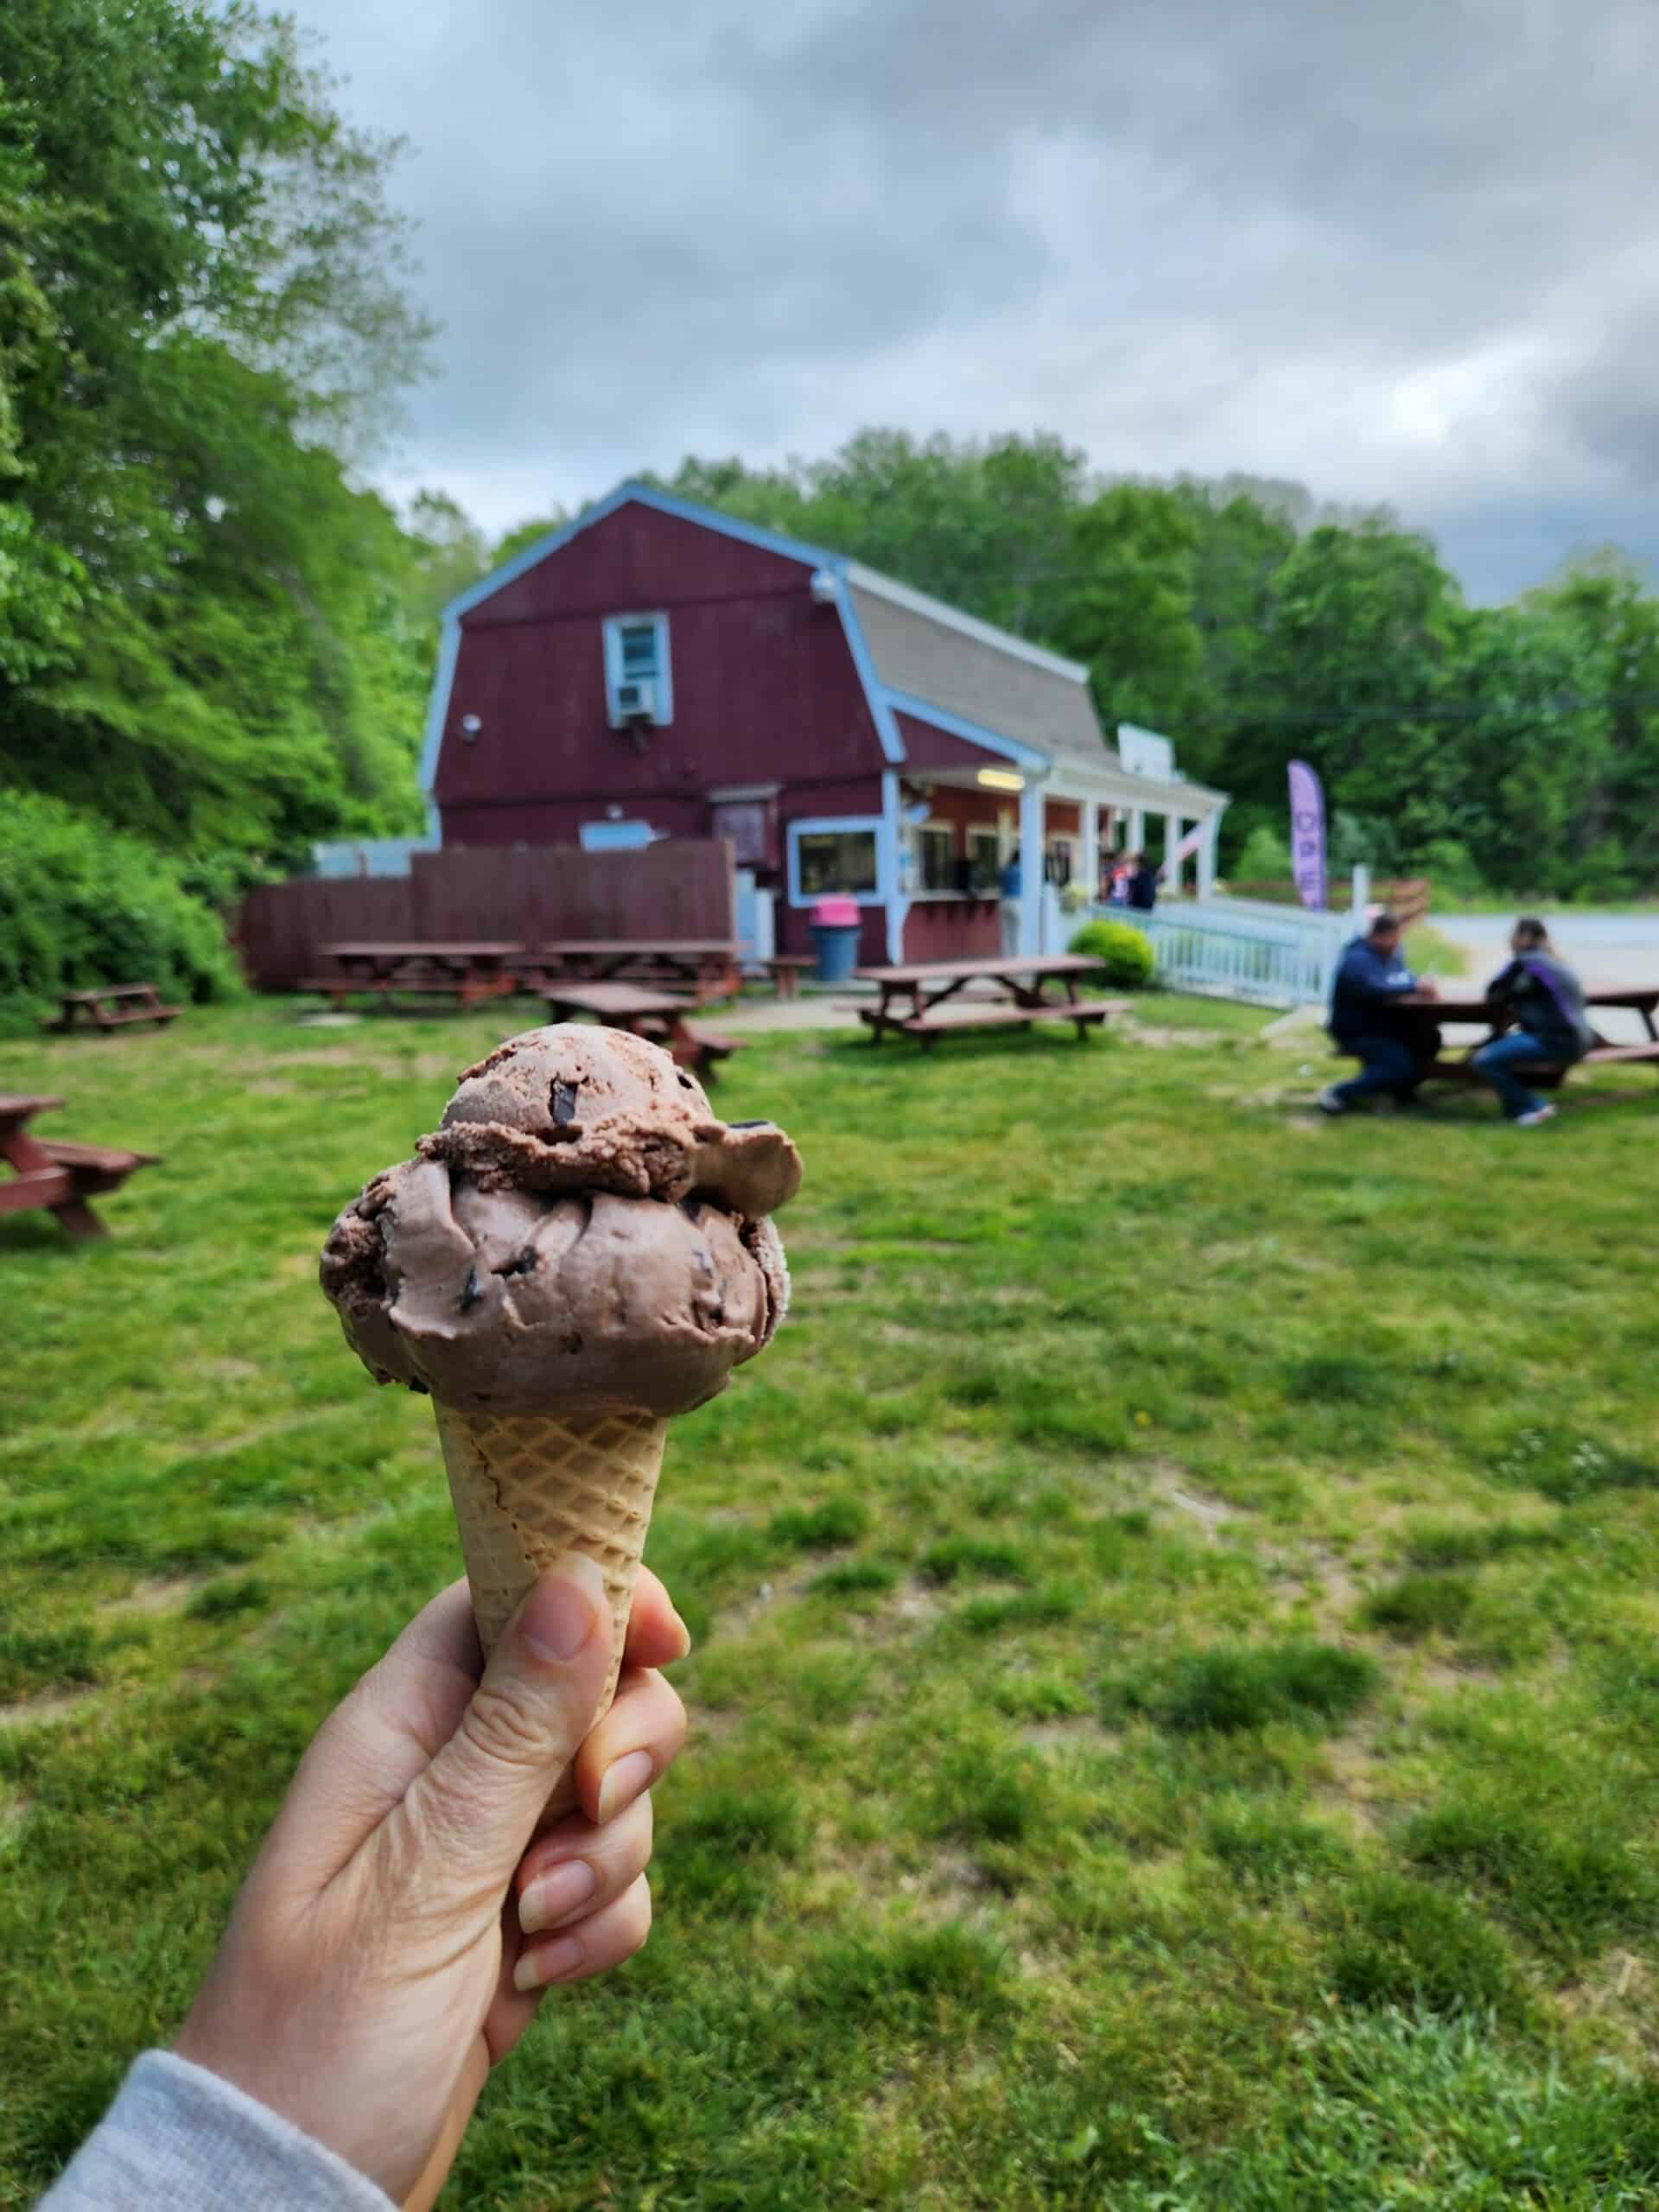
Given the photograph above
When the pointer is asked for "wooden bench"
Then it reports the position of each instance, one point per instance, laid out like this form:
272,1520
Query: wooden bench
700,1049
468,991
995,1013
56,1174
106,1010
1549,1075
657,1015
784,970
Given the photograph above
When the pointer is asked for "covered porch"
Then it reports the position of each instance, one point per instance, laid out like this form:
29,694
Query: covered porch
963,826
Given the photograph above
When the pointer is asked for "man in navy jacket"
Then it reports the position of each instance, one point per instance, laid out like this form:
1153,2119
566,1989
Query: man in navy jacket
1367,1021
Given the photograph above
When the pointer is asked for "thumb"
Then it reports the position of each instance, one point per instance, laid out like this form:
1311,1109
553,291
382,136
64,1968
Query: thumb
476,1806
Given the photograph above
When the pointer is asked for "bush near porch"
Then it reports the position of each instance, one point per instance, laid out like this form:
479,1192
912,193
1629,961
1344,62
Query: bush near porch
1124,953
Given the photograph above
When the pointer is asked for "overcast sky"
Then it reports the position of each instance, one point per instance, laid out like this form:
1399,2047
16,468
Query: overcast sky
1404,250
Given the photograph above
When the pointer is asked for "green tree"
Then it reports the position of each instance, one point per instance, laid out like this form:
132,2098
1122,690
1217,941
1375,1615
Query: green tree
204,632
1360,627
1125,605
1601,602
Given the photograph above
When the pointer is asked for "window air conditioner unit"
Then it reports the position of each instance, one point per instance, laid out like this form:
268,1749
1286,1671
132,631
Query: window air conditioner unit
637,702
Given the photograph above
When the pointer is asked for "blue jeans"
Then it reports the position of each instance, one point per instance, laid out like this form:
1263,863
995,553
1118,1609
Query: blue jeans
1386,1064
1495,1062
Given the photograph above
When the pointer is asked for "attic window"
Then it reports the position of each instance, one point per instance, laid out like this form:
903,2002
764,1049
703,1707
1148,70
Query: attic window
638,681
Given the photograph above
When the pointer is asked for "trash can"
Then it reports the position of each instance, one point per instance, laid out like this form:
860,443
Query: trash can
834,933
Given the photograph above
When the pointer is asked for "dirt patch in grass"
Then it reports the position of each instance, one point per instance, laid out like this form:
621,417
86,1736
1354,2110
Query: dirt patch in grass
165,1595
1173,1487
909,1609
1355,1786
1079,1733
44,1711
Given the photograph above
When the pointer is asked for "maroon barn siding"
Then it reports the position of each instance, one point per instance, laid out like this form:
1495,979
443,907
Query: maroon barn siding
950,929
928,746
764,688
947,803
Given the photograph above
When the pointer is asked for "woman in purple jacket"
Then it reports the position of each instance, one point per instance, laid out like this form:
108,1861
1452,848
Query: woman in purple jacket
1550,1028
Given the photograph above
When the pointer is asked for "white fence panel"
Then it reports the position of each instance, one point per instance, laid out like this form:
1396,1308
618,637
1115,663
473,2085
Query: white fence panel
1242,949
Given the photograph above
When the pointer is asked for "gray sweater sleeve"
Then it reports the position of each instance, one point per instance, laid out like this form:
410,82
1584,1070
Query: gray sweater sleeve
179,2138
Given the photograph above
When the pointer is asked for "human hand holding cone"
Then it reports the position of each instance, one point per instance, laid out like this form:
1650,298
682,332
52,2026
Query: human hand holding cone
580,1252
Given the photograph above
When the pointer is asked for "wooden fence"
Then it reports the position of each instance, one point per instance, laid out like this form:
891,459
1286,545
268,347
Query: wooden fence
1406,896
678,887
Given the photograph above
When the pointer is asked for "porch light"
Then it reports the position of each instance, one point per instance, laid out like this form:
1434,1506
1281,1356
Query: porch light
1001,779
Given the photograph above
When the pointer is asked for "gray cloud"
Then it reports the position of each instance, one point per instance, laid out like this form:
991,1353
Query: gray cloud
1401,253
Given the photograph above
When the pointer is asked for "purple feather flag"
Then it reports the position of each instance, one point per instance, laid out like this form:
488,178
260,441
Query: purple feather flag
1307,835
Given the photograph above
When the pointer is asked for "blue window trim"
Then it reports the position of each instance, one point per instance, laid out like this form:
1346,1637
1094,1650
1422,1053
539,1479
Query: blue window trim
819,825
614,625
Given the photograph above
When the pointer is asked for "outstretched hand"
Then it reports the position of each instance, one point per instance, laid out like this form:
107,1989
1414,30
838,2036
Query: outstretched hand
405,1915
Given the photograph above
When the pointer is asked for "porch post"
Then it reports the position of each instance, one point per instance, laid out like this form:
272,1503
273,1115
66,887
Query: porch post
1173,868
1137,829
1032,843
1207,857
1091,848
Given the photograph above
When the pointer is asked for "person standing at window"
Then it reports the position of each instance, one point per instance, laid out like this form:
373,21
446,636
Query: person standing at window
1010,886
1143,884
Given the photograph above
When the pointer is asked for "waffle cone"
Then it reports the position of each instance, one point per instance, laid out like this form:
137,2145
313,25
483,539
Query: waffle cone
528,1486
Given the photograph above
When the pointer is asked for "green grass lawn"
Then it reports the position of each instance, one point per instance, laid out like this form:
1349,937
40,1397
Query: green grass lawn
1176,1704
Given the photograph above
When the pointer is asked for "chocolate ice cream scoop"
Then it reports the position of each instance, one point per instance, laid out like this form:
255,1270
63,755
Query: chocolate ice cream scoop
572,1108
580,1233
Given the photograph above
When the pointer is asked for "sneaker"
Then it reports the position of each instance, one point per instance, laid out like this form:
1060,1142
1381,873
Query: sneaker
1329,1103
1538,1113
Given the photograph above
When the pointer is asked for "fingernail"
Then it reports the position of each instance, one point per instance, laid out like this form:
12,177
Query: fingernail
685,1640
560,1611
545,1963
554,1896
623,1783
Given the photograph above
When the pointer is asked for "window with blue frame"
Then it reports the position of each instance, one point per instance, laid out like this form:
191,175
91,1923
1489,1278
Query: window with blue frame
638,681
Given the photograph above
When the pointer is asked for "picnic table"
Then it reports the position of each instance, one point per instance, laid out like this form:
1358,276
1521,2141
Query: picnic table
706,968
1015,993
659,1015
1426,1014
111,1006
464,970
58,1176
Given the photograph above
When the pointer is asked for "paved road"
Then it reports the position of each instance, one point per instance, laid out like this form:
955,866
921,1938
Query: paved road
1604,948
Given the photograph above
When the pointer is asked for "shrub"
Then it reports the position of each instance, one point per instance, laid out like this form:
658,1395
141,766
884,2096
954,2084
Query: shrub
1232,1686
945,1561
1264,857
1123,953
838,1521
81,904
1419,1605
1407,1944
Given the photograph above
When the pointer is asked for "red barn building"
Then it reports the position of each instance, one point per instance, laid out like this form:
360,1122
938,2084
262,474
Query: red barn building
659,664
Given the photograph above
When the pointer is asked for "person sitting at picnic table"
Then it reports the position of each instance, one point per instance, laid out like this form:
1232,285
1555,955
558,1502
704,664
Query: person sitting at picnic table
1366,1020
1143,884
1546,1002
1007,914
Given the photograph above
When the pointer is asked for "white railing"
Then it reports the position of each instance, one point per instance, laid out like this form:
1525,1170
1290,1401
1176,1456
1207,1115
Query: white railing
1242,949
